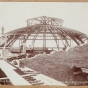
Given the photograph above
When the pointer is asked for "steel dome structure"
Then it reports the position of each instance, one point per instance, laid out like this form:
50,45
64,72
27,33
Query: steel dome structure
44,28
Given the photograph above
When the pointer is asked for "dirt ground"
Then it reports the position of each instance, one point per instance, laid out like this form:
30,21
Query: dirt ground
58,65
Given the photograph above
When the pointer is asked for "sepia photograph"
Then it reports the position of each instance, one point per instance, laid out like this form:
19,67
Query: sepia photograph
44,43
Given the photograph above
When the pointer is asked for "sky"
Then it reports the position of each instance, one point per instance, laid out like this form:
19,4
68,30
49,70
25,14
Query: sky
13,15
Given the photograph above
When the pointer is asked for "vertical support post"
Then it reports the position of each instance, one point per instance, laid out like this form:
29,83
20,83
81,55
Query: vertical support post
24,47
44,41
3,51
2,31
58,44
5,41
19,42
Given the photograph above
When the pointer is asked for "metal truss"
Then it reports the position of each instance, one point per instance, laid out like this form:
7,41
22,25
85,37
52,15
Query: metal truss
45,28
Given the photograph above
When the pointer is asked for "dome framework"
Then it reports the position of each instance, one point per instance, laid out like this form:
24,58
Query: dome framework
44,28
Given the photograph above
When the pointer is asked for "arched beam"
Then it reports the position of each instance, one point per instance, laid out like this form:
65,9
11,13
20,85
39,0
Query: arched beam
62,37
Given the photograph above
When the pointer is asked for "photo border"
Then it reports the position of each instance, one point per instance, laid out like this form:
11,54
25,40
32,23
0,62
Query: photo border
9,86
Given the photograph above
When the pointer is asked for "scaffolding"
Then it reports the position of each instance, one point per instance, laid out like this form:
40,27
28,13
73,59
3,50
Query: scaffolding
44,28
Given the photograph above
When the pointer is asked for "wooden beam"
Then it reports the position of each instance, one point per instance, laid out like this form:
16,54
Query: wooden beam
63,37
15,78
72,37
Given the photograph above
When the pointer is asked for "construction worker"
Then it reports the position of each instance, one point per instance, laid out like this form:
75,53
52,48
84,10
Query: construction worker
30,48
